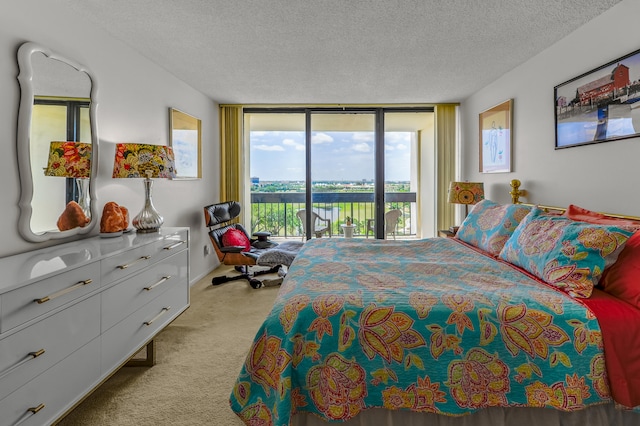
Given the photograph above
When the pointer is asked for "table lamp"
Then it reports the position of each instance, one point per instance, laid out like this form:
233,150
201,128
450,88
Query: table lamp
144,161
466,193
72,160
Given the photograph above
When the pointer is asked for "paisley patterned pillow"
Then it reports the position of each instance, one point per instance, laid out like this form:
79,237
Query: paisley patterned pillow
567,254
489,225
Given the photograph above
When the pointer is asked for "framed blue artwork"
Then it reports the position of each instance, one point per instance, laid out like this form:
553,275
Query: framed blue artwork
496,138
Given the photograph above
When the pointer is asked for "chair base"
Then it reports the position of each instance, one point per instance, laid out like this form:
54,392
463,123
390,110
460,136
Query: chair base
245,274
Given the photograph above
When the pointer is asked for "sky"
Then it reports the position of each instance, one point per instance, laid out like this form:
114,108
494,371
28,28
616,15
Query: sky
336,156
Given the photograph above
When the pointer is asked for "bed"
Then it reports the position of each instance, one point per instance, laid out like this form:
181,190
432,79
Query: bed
520,318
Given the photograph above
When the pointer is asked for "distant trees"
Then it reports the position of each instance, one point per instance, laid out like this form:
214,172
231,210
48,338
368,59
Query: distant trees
274,220
328,187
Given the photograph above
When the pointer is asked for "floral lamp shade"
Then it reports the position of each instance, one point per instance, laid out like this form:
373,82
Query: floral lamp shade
69,159
134,160
466,193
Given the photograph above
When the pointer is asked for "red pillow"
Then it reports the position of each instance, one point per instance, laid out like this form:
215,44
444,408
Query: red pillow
622,279
235,237
584,215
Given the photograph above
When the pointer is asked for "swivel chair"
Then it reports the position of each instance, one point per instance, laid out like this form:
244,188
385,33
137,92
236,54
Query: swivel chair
233,246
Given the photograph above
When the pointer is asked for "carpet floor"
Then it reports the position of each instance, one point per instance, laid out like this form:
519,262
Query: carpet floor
198,357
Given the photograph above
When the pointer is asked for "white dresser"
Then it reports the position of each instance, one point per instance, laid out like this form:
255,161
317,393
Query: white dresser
72,314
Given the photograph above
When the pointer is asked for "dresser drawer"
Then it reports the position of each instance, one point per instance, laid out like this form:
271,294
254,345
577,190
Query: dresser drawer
121,341
122,299
125,264
31,301
57,389
26,354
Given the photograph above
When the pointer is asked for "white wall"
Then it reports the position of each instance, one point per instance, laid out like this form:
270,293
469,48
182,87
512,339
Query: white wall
134,96
602,176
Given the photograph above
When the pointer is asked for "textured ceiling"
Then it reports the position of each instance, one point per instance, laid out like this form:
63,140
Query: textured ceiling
339,51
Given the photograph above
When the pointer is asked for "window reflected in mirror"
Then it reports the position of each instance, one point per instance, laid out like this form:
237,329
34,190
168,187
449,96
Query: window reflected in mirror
56,119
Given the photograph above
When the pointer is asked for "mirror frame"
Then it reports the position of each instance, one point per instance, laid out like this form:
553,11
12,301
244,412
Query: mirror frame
25,78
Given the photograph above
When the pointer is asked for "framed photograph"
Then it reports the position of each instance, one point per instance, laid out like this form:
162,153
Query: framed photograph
600,105
495,138
185,139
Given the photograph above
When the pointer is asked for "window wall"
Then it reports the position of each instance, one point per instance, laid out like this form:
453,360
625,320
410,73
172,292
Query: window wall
346,165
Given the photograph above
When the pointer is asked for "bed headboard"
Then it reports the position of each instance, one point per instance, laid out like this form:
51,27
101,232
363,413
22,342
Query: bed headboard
516,193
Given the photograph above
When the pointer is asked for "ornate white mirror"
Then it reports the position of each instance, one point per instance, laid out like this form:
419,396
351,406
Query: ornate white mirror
57,145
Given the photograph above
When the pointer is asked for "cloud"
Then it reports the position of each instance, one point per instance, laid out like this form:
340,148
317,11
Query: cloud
363,136
397,141
268,147
361,147
321,138
397,137
291,142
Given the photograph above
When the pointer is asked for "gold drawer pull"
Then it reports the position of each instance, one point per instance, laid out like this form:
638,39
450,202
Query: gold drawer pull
134,262
162,312
29,357
30,412
172,246
63,291
151,287
36,409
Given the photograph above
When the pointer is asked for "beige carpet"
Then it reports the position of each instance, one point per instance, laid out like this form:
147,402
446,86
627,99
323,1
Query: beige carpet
198,358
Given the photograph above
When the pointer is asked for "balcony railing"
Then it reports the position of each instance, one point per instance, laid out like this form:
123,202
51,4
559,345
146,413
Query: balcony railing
275,212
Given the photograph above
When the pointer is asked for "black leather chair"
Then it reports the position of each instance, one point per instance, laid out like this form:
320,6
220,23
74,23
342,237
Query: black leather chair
220,218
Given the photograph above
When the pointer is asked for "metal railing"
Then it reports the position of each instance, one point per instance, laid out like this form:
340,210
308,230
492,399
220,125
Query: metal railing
275,212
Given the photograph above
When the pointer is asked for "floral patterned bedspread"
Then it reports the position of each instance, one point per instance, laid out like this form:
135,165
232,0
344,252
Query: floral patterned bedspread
429,325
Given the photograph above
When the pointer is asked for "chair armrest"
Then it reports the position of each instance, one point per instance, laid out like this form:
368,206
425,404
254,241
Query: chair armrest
232,249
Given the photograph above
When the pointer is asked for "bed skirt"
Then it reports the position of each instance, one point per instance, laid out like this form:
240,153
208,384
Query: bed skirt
596,415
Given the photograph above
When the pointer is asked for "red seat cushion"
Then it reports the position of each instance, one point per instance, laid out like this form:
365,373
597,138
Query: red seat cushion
235,237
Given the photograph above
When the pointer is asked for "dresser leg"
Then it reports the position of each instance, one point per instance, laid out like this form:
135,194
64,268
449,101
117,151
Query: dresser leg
148,361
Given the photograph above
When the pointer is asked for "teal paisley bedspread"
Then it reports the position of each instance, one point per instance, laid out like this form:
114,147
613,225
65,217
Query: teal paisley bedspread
428,325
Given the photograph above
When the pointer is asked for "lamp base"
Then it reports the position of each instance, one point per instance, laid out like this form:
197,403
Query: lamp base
83,196
148,220
147,231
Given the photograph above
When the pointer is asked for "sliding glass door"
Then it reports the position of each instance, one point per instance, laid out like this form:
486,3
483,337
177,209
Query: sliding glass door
342,171
404,131
277,171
